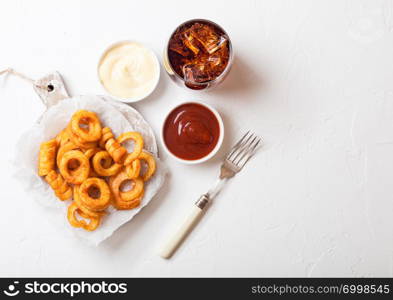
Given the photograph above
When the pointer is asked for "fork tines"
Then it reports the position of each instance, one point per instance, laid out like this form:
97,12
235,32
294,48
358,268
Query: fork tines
243,149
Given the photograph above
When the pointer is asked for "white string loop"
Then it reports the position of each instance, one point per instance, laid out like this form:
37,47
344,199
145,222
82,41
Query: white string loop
22,76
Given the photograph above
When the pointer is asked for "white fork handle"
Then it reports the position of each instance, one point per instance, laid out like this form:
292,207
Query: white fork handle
182,232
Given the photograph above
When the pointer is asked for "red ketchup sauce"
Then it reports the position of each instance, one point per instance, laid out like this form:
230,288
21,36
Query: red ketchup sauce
191,131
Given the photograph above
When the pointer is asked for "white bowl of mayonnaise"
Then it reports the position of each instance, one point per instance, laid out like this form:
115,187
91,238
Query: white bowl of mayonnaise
128,71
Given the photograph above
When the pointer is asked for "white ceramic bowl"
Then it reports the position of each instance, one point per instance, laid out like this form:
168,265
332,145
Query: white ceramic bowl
135,99
216,148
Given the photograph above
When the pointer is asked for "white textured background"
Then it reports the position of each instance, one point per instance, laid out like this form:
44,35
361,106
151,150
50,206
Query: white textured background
314,78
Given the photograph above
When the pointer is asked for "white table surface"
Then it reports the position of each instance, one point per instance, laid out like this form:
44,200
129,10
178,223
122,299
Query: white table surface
313,78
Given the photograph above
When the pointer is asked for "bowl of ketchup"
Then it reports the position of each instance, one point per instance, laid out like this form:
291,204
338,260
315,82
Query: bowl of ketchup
192,132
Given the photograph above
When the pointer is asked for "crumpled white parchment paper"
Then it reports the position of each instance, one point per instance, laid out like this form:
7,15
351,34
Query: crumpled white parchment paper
121,118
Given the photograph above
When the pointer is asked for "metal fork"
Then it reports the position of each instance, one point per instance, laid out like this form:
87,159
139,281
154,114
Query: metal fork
234,161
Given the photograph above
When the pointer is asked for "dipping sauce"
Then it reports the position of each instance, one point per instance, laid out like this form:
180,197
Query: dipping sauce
191,131
129,70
